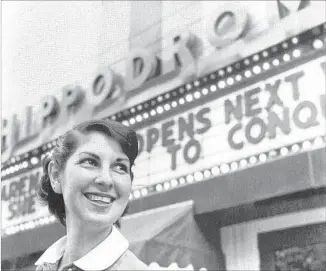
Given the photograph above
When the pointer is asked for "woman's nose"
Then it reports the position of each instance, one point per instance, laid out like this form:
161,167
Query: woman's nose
104,178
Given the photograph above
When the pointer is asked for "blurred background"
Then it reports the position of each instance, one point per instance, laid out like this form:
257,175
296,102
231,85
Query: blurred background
228,102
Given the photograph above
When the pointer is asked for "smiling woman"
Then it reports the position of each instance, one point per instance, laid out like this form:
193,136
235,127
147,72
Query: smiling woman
86,185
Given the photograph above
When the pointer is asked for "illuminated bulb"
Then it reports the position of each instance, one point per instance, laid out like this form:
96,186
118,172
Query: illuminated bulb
159,109
125,123
246,62
153,112
136,194
139,107
197,94
286,57
318,142
276,62
238,77
285,45
229,69
256,69
225,168
215,170
204,91
174,104
296,53
145,115
221,84
295,40
182,180
144,191
167,107
166,185
188,86
159,187
198,176
113,117
272,153
247,74
262,157
265,54
190,178
295,148
130,196
174,183
253,160
181,101
284,151
230,81
234,165
139,118
159,99
255,58
266,66
306,145
21,227
133,110
167,95
213,88
189,98
196,83
221,72
207,173
12,160
317,44
132,121
181,90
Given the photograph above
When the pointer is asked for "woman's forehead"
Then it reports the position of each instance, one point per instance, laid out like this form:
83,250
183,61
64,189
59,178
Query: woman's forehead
101,144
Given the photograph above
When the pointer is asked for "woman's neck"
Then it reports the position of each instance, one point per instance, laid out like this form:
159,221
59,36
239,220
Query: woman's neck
81,239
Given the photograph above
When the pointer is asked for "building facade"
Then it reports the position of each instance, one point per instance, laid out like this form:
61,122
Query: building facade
228,102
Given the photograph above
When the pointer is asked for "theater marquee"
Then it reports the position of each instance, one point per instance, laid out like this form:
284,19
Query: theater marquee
268,114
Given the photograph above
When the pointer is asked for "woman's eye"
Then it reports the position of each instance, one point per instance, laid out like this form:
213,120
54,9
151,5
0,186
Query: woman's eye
121,168
89,161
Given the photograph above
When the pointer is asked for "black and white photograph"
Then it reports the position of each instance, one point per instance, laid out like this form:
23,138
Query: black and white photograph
163,135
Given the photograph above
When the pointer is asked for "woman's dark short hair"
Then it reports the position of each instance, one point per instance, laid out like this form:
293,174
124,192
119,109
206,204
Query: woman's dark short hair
66,146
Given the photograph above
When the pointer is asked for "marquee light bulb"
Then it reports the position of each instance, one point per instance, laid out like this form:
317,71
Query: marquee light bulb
181,101
276,62
234,165
255,58
295,40
221,84
256,69
159,187
253,160
166,185
272,153
204,91
139,118
189,98
306,145
167,107
215,170
212,76
318,142
174,183
132,121
144,191
213,88
229,69
160,110
182,180
197,95
230,81
265,54
196,83
317,44
225,168
247,74
125,123
145,115
286,57
221,72
207,173
190,178
296,53
262,157
188,86
238,77
266,66
136,194
153,112
198,176
284,151
295,148
174,104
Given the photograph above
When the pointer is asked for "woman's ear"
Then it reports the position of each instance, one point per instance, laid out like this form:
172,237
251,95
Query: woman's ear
54,175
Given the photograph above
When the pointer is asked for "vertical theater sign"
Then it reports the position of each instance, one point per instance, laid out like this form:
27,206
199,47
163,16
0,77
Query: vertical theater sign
254,110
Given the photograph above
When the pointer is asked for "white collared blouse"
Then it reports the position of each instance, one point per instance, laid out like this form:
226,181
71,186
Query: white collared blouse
111,254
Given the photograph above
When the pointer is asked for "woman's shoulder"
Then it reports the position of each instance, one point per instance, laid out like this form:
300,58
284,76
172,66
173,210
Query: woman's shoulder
129,261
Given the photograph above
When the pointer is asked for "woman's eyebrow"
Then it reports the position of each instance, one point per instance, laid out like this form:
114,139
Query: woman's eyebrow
123,160
90,154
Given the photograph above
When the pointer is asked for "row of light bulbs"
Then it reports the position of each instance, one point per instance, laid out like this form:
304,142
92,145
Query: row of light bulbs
226,168
29,225
221,84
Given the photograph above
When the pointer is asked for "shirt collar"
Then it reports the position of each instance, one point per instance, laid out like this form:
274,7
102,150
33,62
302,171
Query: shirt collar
101,257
